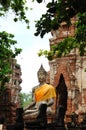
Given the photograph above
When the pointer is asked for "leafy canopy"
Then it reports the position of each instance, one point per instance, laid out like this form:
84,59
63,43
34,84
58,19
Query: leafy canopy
58,12
18,7
25,99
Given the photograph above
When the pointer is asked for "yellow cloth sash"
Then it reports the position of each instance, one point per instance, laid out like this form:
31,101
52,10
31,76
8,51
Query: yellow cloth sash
45,92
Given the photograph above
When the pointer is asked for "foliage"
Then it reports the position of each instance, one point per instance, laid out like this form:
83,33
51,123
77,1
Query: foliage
6,54
25,99
64,47
58,12
81,33
61,49
17,6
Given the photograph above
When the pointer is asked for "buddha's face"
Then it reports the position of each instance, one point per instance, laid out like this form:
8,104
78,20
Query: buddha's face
42,77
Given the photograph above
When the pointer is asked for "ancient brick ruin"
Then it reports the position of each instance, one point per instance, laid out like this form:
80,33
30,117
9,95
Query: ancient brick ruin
9,99
72,67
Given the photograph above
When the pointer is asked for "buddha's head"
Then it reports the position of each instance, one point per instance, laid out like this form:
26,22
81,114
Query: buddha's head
41,74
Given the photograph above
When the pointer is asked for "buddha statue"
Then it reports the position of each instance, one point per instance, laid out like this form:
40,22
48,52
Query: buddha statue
42,94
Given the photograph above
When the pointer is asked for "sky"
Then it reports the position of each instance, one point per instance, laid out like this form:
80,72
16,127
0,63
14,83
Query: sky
30,44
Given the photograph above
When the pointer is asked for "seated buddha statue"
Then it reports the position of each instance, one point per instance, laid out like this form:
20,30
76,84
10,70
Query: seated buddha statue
42,94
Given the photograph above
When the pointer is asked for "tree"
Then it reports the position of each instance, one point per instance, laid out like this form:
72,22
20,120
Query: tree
58,12
6,54
18,7
25,99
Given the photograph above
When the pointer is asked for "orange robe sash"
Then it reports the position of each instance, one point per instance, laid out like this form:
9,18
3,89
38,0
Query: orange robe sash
45,92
